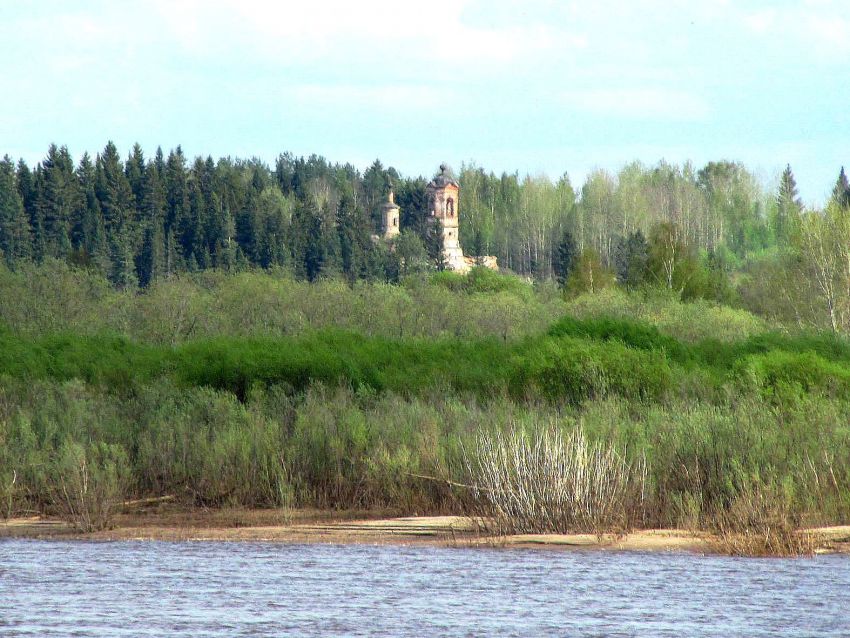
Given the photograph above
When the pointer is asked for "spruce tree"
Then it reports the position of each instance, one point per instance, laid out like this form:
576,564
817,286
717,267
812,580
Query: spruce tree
14,226
788,205
630,260
226,248
841,190
308,245
566,253
88,236
135,170
123,271
57,199
176,191
354,237
113,191
150,263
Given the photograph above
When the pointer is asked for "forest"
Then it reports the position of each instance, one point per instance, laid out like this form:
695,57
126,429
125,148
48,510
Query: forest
231,335
712,232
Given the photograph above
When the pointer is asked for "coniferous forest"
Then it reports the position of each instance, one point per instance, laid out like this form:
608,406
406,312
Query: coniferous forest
231,333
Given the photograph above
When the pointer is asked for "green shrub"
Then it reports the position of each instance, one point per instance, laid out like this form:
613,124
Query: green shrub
87,483
571,369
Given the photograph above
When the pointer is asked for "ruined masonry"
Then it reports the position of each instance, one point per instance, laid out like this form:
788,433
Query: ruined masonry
442,200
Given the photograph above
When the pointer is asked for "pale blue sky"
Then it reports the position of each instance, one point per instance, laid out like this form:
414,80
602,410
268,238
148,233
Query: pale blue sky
533,86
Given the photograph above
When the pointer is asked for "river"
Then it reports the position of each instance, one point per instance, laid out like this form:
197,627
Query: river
210,589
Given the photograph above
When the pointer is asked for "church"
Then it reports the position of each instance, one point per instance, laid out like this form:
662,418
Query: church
442,197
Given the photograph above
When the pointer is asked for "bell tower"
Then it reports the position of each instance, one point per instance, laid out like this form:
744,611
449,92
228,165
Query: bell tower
389,217
442,196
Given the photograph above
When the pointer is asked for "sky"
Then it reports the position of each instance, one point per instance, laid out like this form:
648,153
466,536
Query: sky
534,86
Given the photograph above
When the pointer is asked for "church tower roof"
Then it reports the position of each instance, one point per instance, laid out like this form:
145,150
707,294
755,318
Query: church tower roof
444,178
390,203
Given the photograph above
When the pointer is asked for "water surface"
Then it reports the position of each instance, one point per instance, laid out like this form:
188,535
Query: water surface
264,589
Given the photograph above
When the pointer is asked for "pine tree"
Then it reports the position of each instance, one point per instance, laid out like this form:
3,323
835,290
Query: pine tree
14,226
788,205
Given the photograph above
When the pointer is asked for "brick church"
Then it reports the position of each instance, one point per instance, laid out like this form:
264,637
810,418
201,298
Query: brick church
442,196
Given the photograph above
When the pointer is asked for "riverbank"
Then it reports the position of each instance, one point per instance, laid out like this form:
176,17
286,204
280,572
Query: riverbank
171,523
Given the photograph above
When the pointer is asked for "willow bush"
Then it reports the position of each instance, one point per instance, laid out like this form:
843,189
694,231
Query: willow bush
552,482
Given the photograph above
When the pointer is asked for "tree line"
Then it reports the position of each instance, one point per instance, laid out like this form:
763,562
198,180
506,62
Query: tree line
141,219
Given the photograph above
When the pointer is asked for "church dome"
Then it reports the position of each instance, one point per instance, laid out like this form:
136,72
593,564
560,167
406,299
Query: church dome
444,178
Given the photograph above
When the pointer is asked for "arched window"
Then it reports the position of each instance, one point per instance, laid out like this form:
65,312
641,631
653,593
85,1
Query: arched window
450,206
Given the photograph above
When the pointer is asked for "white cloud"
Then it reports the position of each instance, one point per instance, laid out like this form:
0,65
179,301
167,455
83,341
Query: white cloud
413,32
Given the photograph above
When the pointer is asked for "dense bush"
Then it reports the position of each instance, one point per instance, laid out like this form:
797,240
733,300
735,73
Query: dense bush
334,447
573,370
256,390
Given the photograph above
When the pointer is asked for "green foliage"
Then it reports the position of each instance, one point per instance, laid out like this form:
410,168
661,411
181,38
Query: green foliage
573,370
588,275
256,388
565,257
88,482
483,280
693,321
315,217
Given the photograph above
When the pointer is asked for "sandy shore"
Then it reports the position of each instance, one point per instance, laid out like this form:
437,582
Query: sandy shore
317,526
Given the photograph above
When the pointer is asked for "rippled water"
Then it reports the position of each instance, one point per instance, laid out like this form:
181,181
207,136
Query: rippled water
263,589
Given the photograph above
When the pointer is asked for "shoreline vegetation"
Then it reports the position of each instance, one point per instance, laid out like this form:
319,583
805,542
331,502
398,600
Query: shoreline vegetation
626,411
